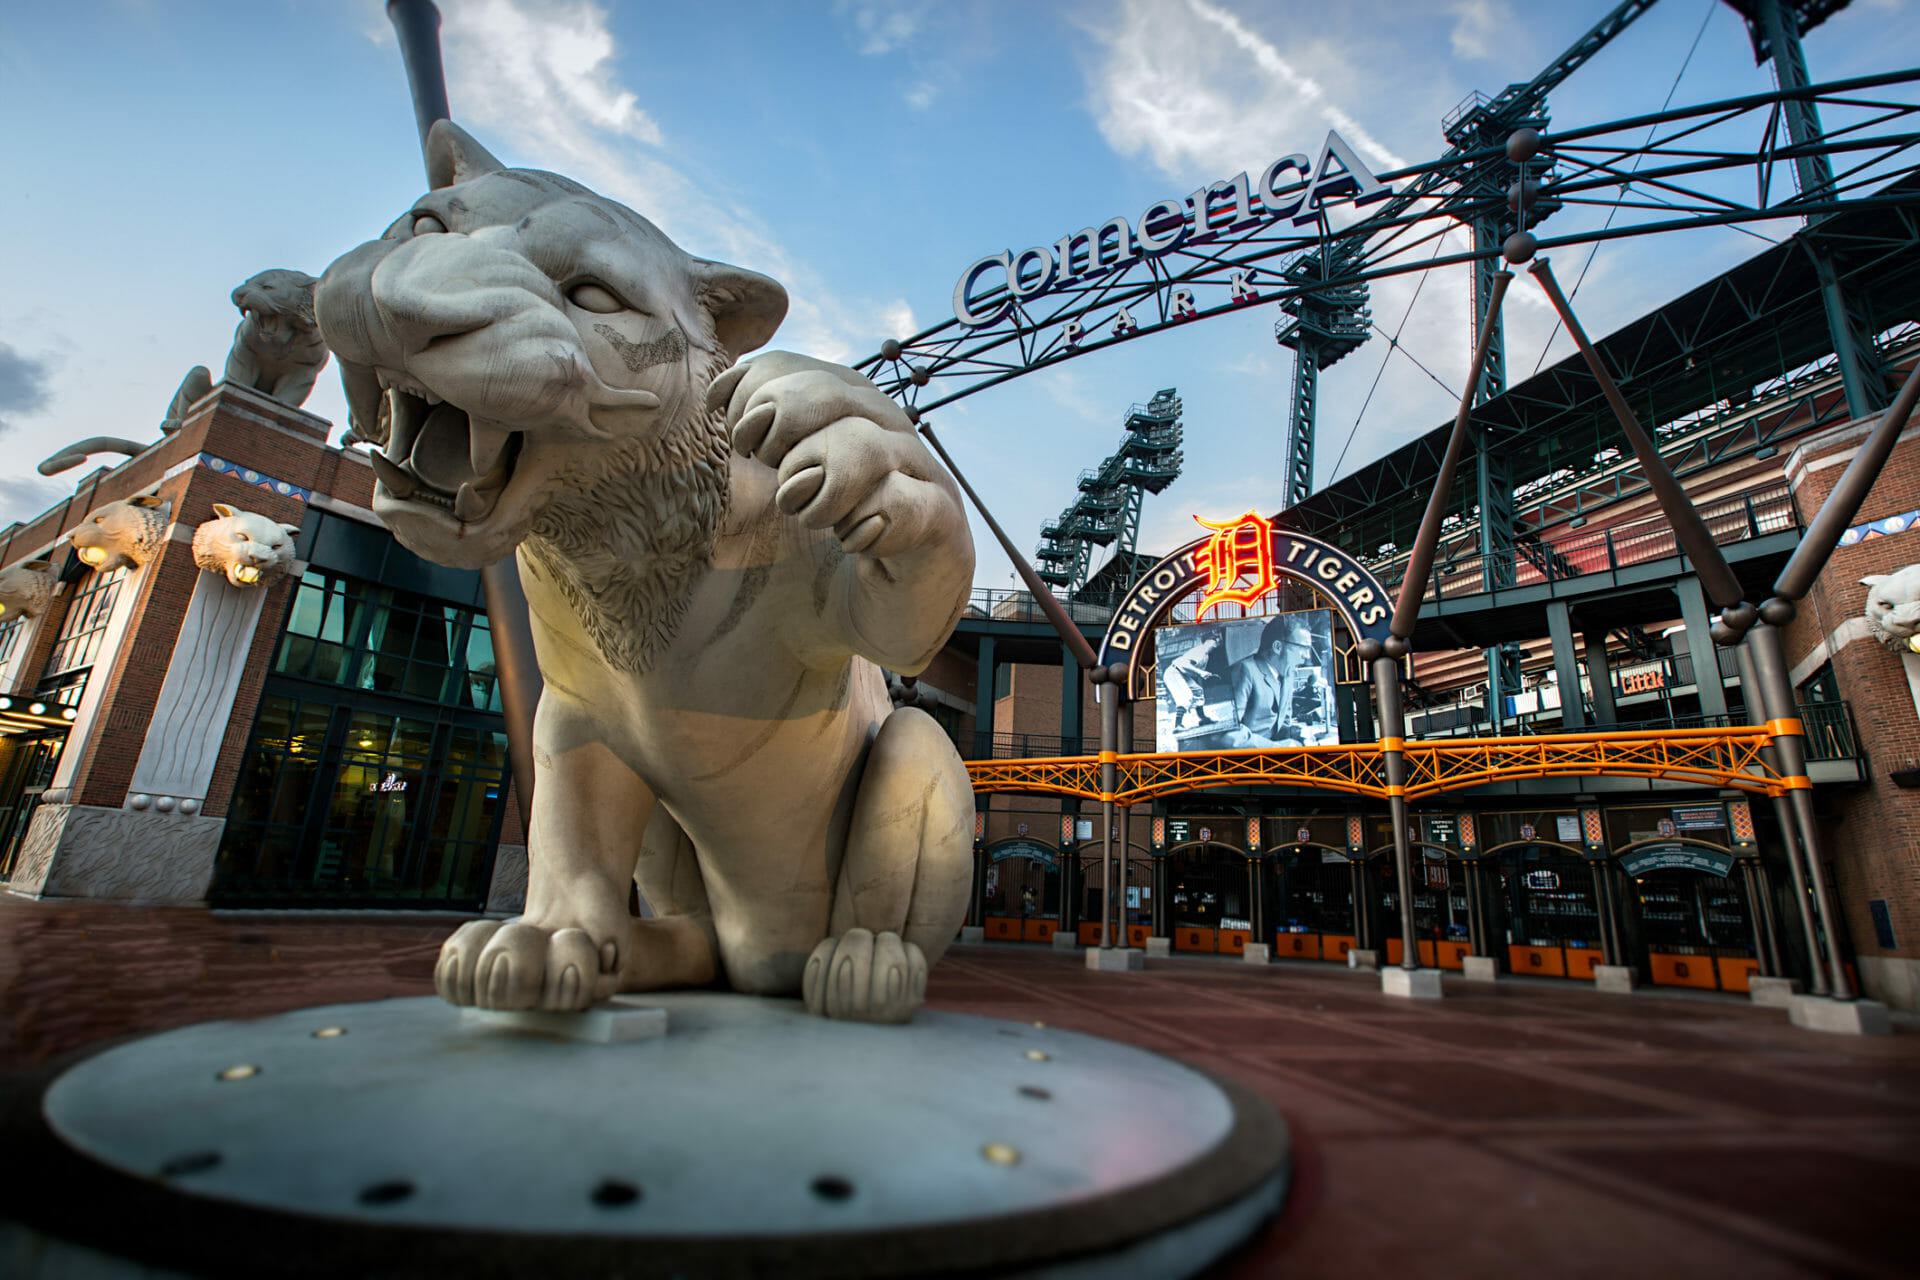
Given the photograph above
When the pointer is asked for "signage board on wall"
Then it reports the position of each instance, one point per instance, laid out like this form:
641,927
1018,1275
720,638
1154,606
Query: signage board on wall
1705,817
1567,827
1028,849
1443,828
1681,857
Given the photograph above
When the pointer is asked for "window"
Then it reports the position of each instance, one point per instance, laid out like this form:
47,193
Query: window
345,631
1818,687
86,623
9,641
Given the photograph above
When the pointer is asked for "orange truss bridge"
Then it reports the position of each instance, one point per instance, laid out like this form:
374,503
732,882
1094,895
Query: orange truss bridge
1708,757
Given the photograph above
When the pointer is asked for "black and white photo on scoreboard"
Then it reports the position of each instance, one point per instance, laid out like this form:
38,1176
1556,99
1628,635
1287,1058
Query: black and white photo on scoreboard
1246,682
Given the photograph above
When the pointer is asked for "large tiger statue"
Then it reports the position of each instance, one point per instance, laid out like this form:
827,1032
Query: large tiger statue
277,348
719,560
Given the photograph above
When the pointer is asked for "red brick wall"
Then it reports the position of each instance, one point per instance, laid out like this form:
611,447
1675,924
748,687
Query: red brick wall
1871,833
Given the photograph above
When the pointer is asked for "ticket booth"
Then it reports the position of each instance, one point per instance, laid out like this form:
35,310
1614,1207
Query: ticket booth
1210,897
1688,918
1549,915
1689,914
1022,896
1308,902
1439,904
1134,911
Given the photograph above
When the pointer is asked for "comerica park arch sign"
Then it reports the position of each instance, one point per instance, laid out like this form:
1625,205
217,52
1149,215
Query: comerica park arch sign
1290,187
1242,561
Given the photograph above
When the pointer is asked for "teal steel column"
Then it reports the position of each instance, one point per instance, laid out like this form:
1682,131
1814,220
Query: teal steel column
986,671
1601,679
1700,646
1566,665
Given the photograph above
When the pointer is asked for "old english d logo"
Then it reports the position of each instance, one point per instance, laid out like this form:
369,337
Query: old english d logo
1237,561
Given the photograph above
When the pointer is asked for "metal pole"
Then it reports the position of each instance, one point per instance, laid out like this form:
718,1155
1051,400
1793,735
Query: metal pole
1776,695
1069,633
1763,883
1783,815
1393,728
516,667
1708,564
1604,916
1753,918
1109,697
1822,537
1357,903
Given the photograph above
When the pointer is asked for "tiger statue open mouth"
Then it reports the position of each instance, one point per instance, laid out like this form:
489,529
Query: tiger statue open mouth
719,559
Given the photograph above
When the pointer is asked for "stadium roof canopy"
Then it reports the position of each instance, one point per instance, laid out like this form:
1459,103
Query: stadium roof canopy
1756,323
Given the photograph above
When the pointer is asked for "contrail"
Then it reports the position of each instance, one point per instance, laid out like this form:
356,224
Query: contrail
1269,60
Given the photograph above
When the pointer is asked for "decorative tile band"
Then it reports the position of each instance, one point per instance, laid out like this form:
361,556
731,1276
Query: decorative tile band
1881,528
257,479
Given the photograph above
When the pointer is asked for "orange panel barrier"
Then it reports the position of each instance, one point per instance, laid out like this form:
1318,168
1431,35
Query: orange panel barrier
1734,972
1137,935
1233,942
1683,971
1296,946
1195,940
1039,929
1003,928
1089,933
1426,953
1453,955
1546,962
1394,951
1580,962
1334,946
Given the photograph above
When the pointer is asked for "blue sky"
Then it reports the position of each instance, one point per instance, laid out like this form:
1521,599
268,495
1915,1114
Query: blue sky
863,152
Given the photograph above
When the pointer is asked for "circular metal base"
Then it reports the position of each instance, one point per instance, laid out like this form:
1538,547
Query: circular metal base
396,1138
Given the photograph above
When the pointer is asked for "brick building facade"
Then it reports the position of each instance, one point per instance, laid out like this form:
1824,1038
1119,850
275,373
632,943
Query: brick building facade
1872,831
163,688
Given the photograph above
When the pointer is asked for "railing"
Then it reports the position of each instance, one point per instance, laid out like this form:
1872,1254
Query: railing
1020,606
1829,730
1739,518
1023,746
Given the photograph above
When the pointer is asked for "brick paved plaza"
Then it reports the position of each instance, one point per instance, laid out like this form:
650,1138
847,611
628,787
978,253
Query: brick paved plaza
1528,1128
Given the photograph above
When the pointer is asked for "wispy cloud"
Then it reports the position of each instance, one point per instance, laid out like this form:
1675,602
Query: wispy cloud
896,318
881,26
541,79
1198,90
1475,23
23,385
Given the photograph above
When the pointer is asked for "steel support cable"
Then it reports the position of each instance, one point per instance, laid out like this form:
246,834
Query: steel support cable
1393,344
1595,247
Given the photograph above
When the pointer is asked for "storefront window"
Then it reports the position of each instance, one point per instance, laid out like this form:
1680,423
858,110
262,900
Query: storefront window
376,767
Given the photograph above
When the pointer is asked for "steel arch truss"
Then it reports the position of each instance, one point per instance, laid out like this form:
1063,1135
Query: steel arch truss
1707,757
1727,163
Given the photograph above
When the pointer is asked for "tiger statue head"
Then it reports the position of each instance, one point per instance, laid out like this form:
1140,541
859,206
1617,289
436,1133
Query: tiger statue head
124,534
244,547
25,590
1893,607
